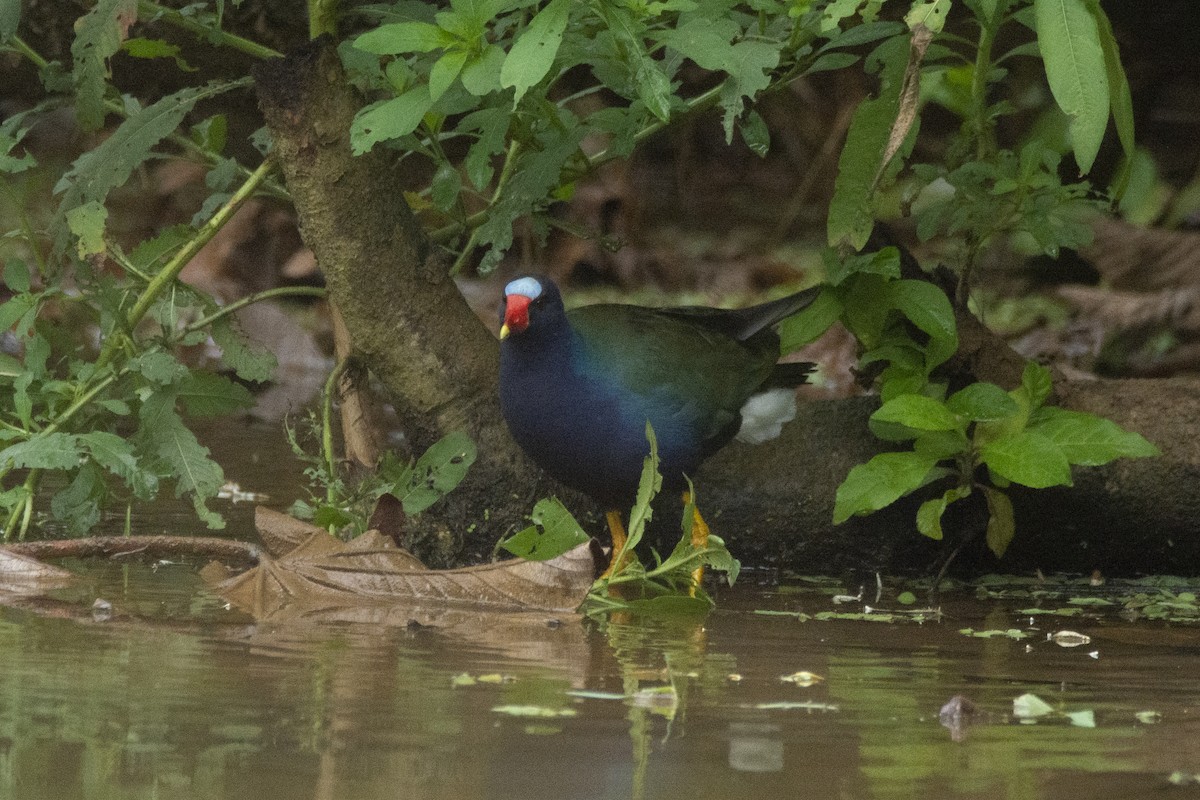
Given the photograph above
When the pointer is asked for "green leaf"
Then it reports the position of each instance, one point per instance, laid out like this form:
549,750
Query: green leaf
188,462
86,223
929,515
10,19
206,394
78,505
1027,458
829,62
982,402
42,451
111,162
560,533
159,366
879,483
533,53
800,329
444,71
389,119
438,470
156,48
1037,382
445,187
1119,97
249,363
116,455
851,214
1089,440
16,276
98,36
930,13
404,37
927,307
756,134
1001,525
749,65
481,74
918,412
1069,39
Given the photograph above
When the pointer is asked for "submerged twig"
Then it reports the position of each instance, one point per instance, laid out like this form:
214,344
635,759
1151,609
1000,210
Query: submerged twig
147,546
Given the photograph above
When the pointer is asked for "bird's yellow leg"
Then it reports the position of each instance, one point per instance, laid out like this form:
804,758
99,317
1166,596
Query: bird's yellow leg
617,528
700,534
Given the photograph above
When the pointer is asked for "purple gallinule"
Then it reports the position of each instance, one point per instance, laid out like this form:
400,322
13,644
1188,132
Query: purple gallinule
577,387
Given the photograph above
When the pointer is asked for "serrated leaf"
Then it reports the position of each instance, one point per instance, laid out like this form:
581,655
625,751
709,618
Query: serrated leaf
404,37
78,505
438,470
1027,458
116,455
195,473
42,451
206,394
250,363
851,215
749,65
879,483
1089,440
1069,40
110,163
389,119
86,223
533,53
982,402
1001,525
98,36
158,366
918,412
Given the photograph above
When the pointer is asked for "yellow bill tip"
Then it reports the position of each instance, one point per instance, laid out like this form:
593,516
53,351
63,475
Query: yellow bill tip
504,331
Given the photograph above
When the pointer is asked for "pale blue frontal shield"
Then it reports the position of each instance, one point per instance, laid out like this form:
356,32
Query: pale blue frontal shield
526,287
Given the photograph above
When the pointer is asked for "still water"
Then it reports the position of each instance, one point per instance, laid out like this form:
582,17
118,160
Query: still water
172,695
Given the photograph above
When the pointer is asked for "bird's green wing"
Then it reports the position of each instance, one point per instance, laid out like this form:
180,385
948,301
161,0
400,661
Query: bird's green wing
689,368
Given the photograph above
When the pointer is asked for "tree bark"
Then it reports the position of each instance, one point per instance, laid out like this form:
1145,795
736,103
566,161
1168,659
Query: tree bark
407,319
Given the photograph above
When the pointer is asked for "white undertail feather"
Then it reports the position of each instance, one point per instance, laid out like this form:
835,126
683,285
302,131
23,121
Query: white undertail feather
763,415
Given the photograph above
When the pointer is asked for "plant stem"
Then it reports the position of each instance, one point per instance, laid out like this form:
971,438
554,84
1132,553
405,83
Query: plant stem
985,143
331,386
214,35
167,275
238,305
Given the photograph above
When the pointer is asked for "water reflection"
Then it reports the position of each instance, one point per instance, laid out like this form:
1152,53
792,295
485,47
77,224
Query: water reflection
174,695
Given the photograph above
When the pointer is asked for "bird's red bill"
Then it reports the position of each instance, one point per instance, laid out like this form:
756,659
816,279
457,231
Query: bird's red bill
516,312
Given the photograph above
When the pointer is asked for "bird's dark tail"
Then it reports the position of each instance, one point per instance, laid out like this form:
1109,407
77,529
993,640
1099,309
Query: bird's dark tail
749,321
790,375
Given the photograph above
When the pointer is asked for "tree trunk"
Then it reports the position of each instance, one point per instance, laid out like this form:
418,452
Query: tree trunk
406,317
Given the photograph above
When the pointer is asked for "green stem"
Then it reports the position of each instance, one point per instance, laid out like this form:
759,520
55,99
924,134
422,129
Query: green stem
985,143
331,387
214,35
167,275
510,160
80,403
238,305
31,482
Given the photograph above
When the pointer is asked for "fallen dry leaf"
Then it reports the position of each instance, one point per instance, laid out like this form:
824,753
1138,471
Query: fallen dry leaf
24,575
324,575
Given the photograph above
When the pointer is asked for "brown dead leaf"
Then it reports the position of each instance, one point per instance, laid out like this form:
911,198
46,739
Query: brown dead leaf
282,533
388,517
24,575
324,575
